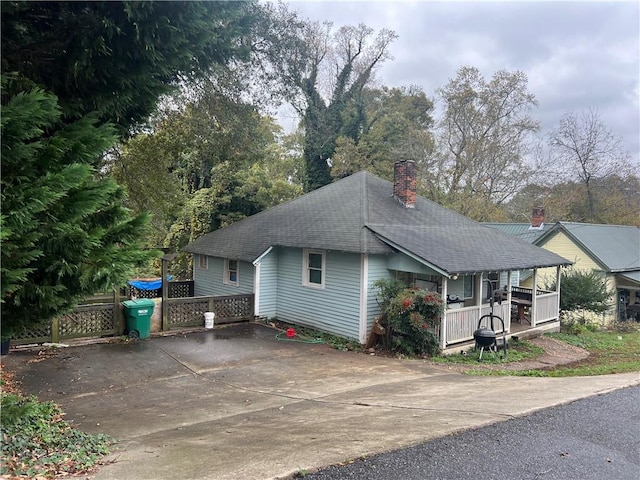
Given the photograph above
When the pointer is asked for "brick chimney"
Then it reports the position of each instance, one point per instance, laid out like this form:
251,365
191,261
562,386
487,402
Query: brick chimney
537,218
404,182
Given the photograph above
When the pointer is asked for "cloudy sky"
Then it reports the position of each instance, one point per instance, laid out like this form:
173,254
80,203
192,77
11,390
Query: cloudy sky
576,55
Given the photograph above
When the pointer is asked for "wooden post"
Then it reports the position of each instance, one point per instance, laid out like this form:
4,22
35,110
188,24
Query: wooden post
534,295
55,330
118,320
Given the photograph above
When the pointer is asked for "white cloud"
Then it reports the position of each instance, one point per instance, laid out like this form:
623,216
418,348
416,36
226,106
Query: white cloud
577,55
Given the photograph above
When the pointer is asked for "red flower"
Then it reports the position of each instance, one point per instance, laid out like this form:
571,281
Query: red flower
406,302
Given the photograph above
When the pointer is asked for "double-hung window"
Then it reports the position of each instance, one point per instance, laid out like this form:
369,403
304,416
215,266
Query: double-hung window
203,262
313,268
231,276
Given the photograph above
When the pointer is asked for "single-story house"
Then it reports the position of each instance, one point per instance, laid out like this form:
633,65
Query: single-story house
312,261
613,250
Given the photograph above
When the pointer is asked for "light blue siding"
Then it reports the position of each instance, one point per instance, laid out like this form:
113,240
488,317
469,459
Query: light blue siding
334,308
210,281
403,263
377,270
268,284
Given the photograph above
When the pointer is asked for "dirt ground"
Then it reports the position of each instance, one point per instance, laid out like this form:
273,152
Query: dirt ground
556,353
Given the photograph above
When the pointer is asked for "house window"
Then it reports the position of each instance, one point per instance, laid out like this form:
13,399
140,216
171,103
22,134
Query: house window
203,262
313,268
462,287
467,286
231,272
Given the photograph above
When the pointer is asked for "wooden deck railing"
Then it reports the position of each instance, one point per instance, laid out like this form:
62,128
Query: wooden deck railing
462,322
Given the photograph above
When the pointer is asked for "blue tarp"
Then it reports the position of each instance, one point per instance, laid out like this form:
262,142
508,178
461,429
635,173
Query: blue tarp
148,284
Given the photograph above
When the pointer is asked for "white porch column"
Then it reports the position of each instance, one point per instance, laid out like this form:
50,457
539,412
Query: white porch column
532,314
509,296
443,323
558,277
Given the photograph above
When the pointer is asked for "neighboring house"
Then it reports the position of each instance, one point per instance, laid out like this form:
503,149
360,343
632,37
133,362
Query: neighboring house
613,250
312,261
527,232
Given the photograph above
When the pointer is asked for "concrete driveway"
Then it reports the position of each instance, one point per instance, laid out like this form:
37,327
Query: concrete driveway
236,403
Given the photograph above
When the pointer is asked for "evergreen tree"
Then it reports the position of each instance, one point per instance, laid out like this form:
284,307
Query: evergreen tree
76,75
116,58
65,233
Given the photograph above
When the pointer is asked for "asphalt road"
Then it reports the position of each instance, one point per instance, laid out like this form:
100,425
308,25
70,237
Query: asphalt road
597,438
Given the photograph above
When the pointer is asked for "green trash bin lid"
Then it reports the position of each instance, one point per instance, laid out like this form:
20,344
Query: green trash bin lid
140,303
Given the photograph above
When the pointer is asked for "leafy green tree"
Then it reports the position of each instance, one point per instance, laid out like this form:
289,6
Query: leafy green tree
582,290
304,57
83,73
211,162
65,232
395,123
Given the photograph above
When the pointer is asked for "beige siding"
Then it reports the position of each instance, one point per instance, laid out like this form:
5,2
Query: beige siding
565,247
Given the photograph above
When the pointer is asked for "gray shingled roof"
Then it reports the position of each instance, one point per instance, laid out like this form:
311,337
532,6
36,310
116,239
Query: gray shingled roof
359,214
615,247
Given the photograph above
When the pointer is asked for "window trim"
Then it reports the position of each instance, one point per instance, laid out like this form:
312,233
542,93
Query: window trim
203,262
305,268
226,280
461,280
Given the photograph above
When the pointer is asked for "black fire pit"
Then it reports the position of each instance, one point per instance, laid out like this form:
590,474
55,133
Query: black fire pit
484,337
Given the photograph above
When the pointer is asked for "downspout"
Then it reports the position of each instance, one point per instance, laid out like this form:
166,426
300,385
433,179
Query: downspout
256,289
364,283
256,281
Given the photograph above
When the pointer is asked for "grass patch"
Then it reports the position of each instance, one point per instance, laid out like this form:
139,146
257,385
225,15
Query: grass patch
517,351
38,443
616,350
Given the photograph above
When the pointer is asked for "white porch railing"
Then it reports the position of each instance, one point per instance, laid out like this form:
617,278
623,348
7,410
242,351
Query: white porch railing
547,307
462,322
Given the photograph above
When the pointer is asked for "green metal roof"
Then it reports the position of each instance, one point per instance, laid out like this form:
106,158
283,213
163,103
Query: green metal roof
615,247
523,231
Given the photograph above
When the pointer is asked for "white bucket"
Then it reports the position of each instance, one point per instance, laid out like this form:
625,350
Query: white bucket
208,319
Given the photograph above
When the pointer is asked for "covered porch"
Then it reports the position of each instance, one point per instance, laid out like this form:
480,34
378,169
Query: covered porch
523,310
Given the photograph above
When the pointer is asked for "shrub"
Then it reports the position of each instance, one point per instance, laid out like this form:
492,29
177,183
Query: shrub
573,325
414,318
583,291
37,442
